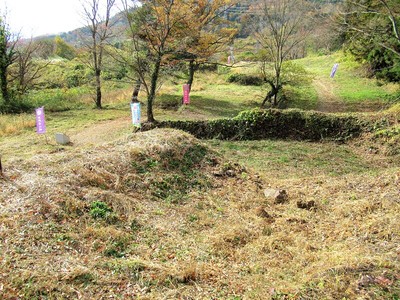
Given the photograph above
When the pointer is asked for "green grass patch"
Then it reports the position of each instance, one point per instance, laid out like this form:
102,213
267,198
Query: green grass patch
58,99
301,97
350,84
293,159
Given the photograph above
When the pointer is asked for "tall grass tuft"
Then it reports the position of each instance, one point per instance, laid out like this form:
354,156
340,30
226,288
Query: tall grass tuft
14,124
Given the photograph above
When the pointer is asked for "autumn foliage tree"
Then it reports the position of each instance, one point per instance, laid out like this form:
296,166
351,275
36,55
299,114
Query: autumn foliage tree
157,32
163,32
207,33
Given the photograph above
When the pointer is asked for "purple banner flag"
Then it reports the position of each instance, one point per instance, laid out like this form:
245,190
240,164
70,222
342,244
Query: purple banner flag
40,120
186,92
135,109
334,69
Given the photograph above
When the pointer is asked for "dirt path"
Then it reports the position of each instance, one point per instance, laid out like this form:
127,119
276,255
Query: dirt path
327,100
102,132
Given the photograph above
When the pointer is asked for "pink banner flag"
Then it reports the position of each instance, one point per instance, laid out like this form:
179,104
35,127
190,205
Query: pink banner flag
40,121
186,92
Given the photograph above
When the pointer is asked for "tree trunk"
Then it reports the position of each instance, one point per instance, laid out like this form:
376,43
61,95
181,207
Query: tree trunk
98,89
272,95
153,87
277,83
4,87
136,90
192,69
266,99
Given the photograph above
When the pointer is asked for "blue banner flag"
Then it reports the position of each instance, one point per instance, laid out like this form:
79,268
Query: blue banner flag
135,109
334,69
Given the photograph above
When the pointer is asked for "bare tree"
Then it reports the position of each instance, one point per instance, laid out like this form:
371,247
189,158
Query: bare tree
280,27
99,25
26,68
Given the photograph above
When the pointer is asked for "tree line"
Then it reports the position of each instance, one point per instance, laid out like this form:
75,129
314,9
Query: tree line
162,35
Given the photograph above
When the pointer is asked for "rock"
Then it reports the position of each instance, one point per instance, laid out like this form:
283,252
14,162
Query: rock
218,173
279,196
263,213
365,281
308,205
269,193
62,139
223,173
230,173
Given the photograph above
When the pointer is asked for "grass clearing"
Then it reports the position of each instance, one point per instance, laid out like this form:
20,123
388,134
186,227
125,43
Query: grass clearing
291,159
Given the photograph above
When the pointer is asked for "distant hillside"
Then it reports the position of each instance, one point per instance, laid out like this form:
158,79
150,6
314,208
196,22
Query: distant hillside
78,36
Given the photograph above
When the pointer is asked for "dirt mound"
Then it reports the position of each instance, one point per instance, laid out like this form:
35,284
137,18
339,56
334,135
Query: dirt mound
159,215
69,217
159,164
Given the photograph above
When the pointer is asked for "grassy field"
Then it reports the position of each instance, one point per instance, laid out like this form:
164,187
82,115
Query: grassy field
161,215
349,90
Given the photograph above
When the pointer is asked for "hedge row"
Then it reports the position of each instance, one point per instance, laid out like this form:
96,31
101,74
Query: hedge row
270,124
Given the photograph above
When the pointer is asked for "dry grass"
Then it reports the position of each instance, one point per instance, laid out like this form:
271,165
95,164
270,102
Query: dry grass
184,223
10,124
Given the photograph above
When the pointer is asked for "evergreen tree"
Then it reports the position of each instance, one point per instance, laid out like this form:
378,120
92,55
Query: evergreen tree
7,57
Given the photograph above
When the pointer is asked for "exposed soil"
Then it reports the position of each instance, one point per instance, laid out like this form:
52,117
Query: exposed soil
103,132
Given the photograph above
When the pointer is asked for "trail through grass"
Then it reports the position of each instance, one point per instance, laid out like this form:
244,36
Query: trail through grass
349,90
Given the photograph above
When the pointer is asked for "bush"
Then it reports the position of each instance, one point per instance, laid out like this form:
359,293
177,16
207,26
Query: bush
56,100
15,107
245,79
272,123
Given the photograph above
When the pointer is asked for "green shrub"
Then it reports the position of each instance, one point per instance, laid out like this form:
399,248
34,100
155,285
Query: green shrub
273,123
15,107
165,101
116,249
135,225
99,210
171,174
56,100
245,79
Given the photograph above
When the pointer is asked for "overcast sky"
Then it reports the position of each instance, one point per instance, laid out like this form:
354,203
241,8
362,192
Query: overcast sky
38,17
